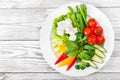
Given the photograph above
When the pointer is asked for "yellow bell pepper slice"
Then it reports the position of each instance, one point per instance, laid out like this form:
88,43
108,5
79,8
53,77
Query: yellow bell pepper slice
65,62
61,50
61,45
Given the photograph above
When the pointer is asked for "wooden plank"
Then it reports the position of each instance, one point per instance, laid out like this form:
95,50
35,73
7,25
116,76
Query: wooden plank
21,16
57,76
8,16
52,3
27,27
8,32
25,64
20,49
10,47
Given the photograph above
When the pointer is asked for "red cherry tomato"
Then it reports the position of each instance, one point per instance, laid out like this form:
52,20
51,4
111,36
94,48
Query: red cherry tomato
100,39
98,30
87,31
92,28
92,22
92,40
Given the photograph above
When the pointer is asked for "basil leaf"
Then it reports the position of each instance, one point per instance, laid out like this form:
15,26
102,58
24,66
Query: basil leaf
85,38
88,47
71,45
85,55
91,52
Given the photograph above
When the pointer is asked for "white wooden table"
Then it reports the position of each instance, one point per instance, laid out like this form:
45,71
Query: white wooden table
20,57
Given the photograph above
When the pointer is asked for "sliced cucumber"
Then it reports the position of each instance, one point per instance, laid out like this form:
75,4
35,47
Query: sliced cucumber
91,64
99,53
97,59
100,48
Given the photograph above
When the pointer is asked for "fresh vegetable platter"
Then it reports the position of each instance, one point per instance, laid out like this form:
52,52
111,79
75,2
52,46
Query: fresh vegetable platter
77,39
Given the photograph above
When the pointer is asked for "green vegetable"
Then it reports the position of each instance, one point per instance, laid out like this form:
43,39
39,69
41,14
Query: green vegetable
79,20
88,47
91,52
71,45
99,53
77,67
56,39
71,11
85,55
60,18
71,53
97,59
83,65
71,15
83,11
85,38
91,63
72,48
100,48
54,30
87,64
78,60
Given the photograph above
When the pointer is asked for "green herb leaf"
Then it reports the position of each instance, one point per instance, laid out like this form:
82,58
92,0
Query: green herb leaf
72,48
85,55
71,45
91,52
70,53
85,38
88,47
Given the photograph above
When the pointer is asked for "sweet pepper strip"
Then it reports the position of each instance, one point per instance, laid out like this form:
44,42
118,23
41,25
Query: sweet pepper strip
61,45
72,62
61,58
61,50
65,62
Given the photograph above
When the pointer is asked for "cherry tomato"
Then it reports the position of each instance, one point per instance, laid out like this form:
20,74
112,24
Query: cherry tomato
87,31
98,30
100,39
92,22
92,40
92,28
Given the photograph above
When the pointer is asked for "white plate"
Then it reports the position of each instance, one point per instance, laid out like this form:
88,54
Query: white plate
45,42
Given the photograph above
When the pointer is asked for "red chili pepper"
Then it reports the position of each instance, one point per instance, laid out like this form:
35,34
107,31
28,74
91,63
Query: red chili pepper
71,63
61,58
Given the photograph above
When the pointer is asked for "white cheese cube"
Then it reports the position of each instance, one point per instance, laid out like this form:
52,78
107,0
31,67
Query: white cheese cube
72,37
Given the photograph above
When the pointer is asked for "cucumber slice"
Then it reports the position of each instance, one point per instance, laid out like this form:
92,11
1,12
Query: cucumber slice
97,59
100,48
91,64
99,53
